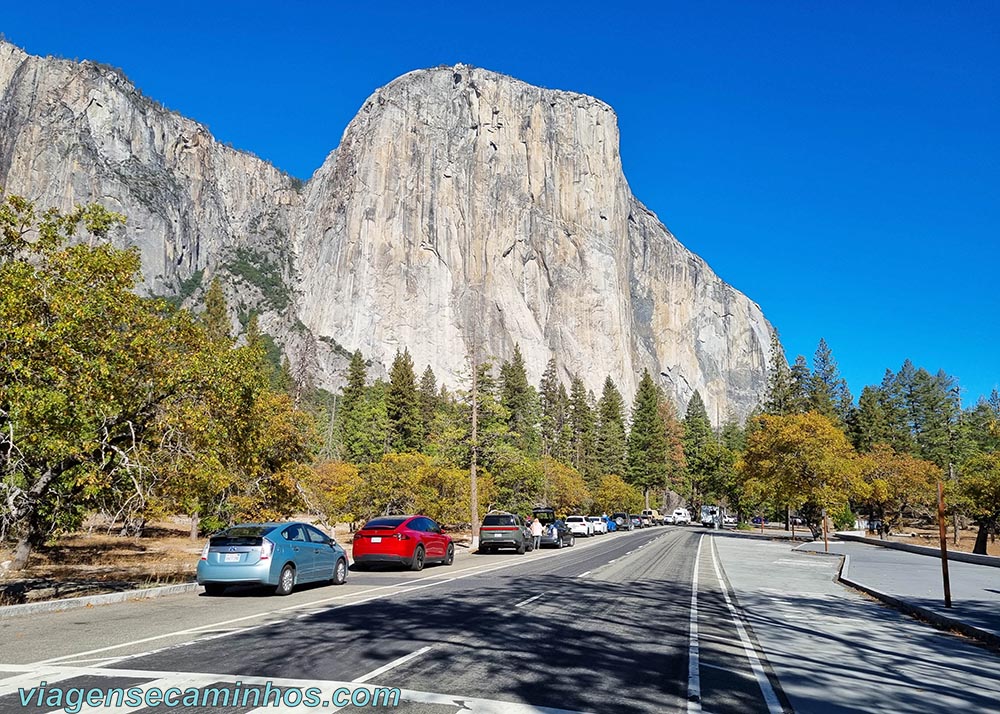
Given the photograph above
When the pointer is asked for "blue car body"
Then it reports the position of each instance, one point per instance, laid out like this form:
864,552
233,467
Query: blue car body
611,525
259,553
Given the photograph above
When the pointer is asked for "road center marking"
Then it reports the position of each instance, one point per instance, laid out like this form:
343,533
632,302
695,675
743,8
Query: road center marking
391,665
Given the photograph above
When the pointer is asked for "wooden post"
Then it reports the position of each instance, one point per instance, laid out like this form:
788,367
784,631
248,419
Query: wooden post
826,539
943,529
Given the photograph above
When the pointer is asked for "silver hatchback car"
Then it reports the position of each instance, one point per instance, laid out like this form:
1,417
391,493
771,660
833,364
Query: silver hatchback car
279,554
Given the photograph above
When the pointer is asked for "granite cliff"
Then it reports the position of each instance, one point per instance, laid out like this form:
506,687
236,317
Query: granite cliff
462,207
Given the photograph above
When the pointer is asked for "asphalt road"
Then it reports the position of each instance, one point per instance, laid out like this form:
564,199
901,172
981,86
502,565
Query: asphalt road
611,625
604,626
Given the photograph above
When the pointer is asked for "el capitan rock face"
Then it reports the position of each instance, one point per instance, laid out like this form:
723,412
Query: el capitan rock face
462,207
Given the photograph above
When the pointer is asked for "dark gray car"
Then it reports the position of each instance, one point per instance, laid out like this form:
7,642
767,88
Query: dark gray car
504,530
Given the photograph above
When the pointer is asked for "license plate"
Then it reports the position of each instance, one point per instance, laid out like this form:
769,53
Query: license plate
232,558
377,539
497,535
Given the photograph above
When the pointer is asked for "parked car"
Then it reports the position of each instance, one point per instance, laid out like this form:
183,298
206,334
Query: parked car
654,516
647,522
668,519
682,517
636,520
757,520
610,524
504,530
623,521
580,526
555,532
281,555
598,524
729,520
412,541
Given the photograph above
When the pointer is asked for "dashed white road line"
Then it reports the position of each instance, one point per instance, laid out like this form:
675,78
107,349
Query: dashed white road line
391,665
583,575
530,599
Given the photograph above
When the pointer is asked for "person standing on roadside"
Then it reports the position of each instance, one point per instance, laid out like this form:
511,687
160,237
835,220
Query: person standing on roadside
536,533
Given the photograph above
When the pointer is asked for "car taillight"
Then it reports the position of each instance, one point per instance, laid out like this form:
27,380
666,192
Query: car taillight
401,536
204,551
266,549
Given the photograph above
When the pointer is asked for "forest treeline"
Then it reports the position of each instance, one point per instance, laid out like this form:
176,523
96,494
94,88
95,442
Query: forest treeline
133,408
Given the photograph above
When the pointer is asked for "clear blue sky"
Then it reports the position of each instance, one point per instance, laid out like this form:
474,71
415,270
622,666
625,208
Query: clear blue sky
839,162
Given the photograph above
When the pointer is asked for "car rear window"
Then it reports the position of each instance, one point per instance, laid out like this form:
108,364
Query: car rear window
387,523
574,519
499,520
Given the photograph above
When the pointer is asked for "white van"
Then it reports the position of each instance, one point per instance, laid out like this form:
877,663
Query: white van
682,517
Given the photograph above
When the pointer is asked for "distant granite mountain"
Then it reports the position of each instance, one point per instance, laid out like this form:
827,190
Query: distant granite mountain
462,206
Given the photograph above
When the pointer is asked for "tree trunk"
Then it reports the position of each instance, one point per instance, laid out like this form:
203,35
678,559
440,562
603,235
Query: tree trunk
195,520
30,539
980,547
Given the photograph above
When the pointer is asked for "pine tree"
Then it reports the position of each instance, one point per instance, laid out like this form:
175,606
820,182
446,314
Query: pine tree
801,379
519,398
550,407
216,315
700,448
673,431
428,403
778,399
403,405
828,391
610,437
351,416
869,425
564,441
647,443
580,418
893,407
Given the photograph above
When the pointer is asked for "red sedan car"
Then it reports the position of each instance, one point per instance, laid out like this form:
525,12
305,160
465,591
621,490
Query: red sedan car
406,540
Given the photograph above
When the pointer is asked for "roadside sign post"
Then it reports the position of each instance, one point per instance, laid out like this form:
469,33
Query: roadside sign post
826,539
943,530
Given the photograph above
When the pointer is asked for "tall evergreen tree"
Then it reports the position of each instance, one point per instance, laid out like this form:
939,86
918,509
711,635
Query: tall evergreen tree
647,443
610,437
828,393
581,423
894,410
564,439
869,425
673,431
403,405
428,403
801,379
779,396
551,408
700,448
216,315
518,398
352,422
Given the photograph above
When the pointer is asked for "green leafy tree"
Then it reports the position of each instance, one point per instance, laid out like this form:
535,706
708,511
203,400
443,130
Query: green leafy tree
613,495
979,493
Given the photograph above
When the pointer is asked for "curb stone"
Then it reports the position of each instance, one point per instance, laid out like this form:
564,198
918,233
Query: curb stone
990,639
34,608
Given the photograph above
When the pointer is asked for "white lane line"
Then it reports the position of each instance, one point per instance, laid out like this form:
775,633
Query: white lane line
583,575
612,560
530,599
694,675
392,665
770,698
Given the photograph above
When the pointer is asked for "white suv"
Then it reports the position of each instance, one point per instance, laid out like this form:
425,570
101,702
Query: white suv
682,517
580,526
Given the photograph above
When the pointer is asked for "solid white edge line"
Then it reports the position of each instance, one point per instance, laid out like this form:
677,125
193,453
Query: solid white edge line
694,676
766,690
391,665
583,575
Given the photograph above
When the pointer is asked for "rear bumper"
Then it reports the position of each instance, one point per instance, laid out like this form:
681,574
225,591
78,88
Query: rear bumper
381,558
259,573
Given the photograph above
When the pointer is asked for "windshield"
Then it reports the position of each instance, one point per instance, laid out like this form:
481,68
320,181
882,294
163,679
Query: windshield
387,523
